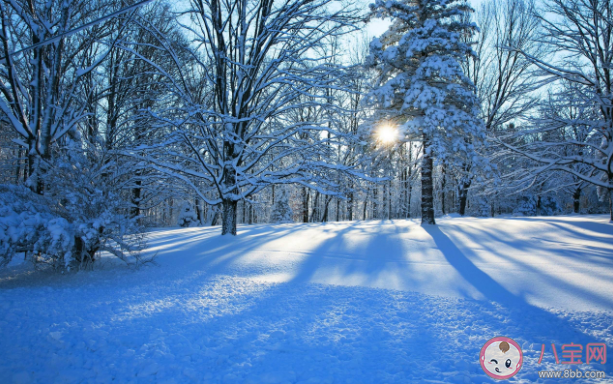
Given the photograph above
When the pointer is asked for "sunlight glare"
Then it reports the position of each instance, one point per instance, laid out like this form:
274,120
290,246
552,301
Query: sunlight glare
387,134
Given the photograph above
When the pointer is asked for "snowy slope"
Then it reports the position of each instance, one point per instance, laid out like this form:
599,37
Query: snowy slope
360,302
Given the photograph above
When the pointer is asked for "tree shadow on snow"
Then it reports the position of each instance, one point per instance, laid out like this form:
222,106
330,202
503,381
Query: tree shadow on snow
519,318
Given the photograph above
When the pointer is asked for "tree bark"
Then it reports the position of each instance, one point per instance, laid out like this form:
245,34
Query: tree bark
35,182
199,216
136,197
315,211
229,204
365,206
350,206
305,205
611,203
244,212
375,207
409,191
408,187
250,214
443,181
338,209
171,203
611,200
18,168
384,203
463,196
577,200
427,187
228,224
324,217
389,201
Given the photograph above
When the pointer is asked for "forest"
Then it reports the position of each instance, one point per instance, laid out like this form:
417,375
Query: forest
116,117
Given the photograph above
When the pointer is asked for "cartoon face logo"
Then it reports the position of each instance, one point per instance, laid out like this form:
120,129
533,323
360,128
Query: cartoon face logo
501,358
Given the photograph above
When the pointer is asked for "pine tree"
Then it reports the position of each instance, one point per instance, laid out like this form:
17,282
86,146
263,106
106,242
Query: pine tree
422,86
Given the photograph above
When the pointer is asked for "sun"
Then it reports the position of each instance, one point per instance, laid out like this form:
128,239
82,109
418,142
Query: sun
387,134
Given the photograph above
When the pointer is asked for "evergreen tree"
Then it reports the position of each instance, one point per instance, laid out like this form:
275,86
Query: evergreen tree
422,86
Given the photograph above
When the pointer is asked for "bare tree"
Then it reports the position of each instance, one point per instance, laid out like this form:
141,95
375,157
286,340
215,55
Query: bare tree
504,78
258,60
579,33
43,90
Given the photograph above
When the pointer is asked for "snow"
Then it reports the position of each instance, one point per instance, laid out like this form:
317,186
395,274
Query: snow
348,302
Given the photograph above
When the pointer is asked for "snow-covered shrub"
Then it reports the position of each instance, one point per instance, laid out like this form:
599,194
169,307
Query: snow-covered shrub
529,206
526,206
281,211
550,206
187,216
28,225
78,217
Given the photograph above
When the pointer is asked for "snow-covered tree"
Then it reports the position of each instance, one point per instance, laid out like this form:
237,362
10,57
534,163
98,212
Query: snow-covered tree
130,88
504,78
188,216
42,88
77,217
257,61
422,86
579,36
51,87
281,211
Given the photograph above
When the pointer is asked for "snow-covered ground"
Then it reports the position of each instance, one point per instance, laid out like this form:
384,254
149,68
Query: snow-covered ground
351,302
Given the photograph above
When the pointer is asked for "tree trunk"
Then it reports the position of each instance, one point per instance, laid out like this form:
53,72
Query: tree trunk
389,201
365,207
375,207
463,196
338,209
443,181
611,202
228,225
250,213
577,200
409,197
215,213
229,205
34,177
403,193
18,168
324,217
136,197
305,205
244,212
199,216
171,209
315,211
427,187
384,203
350,206
409,175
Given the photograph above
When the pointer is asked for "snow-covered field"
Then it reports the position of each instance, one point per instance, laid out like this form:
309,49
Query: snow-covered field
351,302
